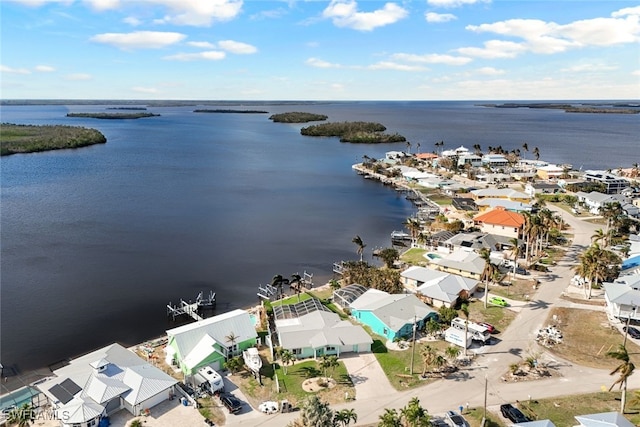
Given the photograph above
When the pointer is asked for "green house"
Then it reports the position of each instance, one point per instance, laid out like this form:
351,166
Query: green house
210,342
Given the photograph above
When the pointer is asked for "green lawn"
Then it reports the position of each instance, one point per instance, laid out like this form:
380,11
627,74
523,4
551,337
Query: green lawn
291,383
415,256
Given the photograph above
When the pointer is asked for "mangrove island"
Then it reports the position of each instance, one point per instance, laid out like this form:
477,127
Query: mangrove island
297,117
30,138
232,111
356,132
113,115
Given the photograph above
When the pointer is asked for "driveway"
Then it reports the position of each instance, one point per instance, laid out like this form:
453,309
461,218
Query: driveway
367,375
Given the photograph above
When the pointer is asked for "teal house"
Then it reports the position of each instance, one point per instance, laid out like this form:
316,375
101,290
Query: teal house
391,315
210,342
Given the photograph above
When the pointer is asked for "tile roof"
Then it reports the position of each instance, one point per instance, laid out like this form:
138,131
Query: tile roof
501,216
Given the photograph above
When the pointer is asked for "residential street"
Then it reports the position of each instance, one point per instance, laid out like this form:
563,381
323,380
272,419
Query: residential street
493,361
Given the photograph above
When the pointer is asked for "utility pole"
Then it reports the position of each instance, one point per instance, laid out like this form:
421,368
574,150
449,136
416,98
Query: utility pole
413,344
484,414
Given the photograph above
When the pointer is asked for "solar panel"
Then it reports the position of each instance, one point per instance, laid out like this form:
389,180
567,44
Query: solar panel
61,394
71,387
65,391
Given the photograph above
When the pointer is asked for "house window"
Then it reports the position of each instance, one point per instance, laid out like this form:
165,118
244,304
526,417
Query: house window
91,423
296,351
330,348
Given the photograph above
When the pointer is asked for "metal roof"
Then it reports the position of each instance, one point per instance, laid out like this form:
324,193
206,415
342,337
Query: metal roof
292,311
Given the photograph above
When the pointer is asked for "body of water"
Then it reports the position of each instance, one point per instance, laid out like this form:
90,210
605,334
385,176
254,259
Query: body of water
96,241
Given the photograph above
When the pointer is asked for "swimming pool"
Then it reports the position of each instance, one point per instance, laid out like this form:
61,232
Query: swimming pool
18,398
431,255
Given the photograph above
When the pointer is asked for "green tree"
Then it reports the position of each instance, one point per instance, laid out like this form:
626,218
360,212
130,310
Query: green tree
328,363
334,284
234,364
360,244
516,252
287,357
624,370
231,339
390,418
389,256
21,416
452,352
414,227
487,273
414,415
314,413
345,416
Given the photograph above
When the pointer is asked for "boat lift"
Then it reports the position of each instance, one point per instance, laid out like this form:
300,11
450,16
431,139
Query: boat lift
192,309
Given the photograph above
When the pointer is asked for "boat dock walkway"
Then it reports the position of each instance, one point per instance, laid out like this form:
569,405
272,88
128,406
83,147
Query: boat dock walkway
192,309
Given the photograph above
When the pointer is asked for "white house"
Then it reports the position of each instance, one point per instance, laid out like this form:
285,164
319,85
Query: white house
438,288
595,200
103,382
622,297
495,160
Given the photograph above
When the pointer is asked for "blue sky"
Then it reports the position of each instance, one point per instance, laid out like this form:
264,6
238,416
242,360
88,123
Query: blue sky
320,50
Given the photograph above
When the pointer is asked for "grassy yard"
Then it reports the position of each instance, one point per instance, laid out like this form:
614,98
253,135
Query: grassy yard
499,317
519,289
415,256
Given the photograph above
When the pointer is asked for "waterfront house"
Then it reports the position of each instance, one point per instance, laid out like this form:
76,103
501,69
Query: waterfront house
437,288
477,240
501,222
210,342
514,206
500,193
103,382
550,172
309,329
391,315
495,161
460,262
348,294
533,188
612,183
472,160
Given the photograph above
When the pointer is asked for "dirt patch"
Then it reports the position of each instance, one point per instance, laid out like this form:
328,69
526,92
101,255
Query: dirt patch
586,337
313,385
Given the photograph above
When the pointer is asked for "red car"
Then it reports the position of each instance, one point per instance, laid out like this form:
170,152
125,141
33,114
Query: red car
489,326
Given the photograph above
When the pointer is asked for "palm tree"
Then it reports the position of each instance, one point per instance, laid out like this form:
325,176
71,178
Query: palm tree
624,371
278,282
390,418
408,147
428,354
414,415
334,284
418,148
360,244
599,237
452,352
465,310
20,416
516,252
634,402
287,357
525,147
316,413
327,362
485,254
536,153
414,227
345,416
231,338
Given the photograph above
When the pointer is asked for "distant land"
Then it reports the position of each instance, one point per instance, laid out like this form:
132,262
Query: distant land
297,117
116,116
355,132
232,111
606,108
127,108
156,103
16,139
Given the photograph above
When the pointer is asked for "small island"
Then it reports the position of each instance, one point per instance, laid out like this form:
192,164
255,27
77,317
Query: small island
232,111
355,132
16,139
297,117
113,115
570,108
127,108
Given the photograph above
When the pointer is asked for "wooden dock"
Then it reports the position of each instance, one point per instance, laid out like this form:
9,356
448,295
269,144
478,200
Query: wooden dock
192,309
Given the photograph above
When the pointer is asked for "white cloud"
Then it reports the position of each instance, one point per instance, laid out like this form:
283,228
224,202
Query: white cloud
202,45
432,59
439,17
489,71
494,49
580,68
103,4
139,39
237,47
636,73
387,65
319,63
626,11
199,12
10,70
209,55
78,77
141,89
44,68
454,3
132,20
344,13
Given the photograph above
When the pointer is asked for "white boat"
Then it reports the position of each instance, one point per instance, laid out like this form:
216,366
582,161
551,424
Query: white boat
252,359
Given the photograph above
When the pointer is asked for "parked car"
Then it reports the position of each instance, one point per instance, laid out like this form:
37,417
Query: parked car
512,413
456,420
437,422
232,403
522,271
489,327
498,301
633,332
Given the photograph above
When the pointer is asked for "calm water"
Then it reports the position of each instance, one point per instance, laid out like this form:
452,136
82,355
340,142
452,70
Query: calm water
96,241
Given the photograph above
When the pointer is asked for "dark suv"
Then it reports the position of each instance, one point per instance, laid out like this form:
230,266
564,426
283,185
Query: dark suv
231,403
514,414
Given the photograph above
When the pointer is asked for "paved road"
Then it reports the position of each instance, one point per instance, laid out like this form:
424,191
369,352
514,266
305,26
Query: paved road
517,342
